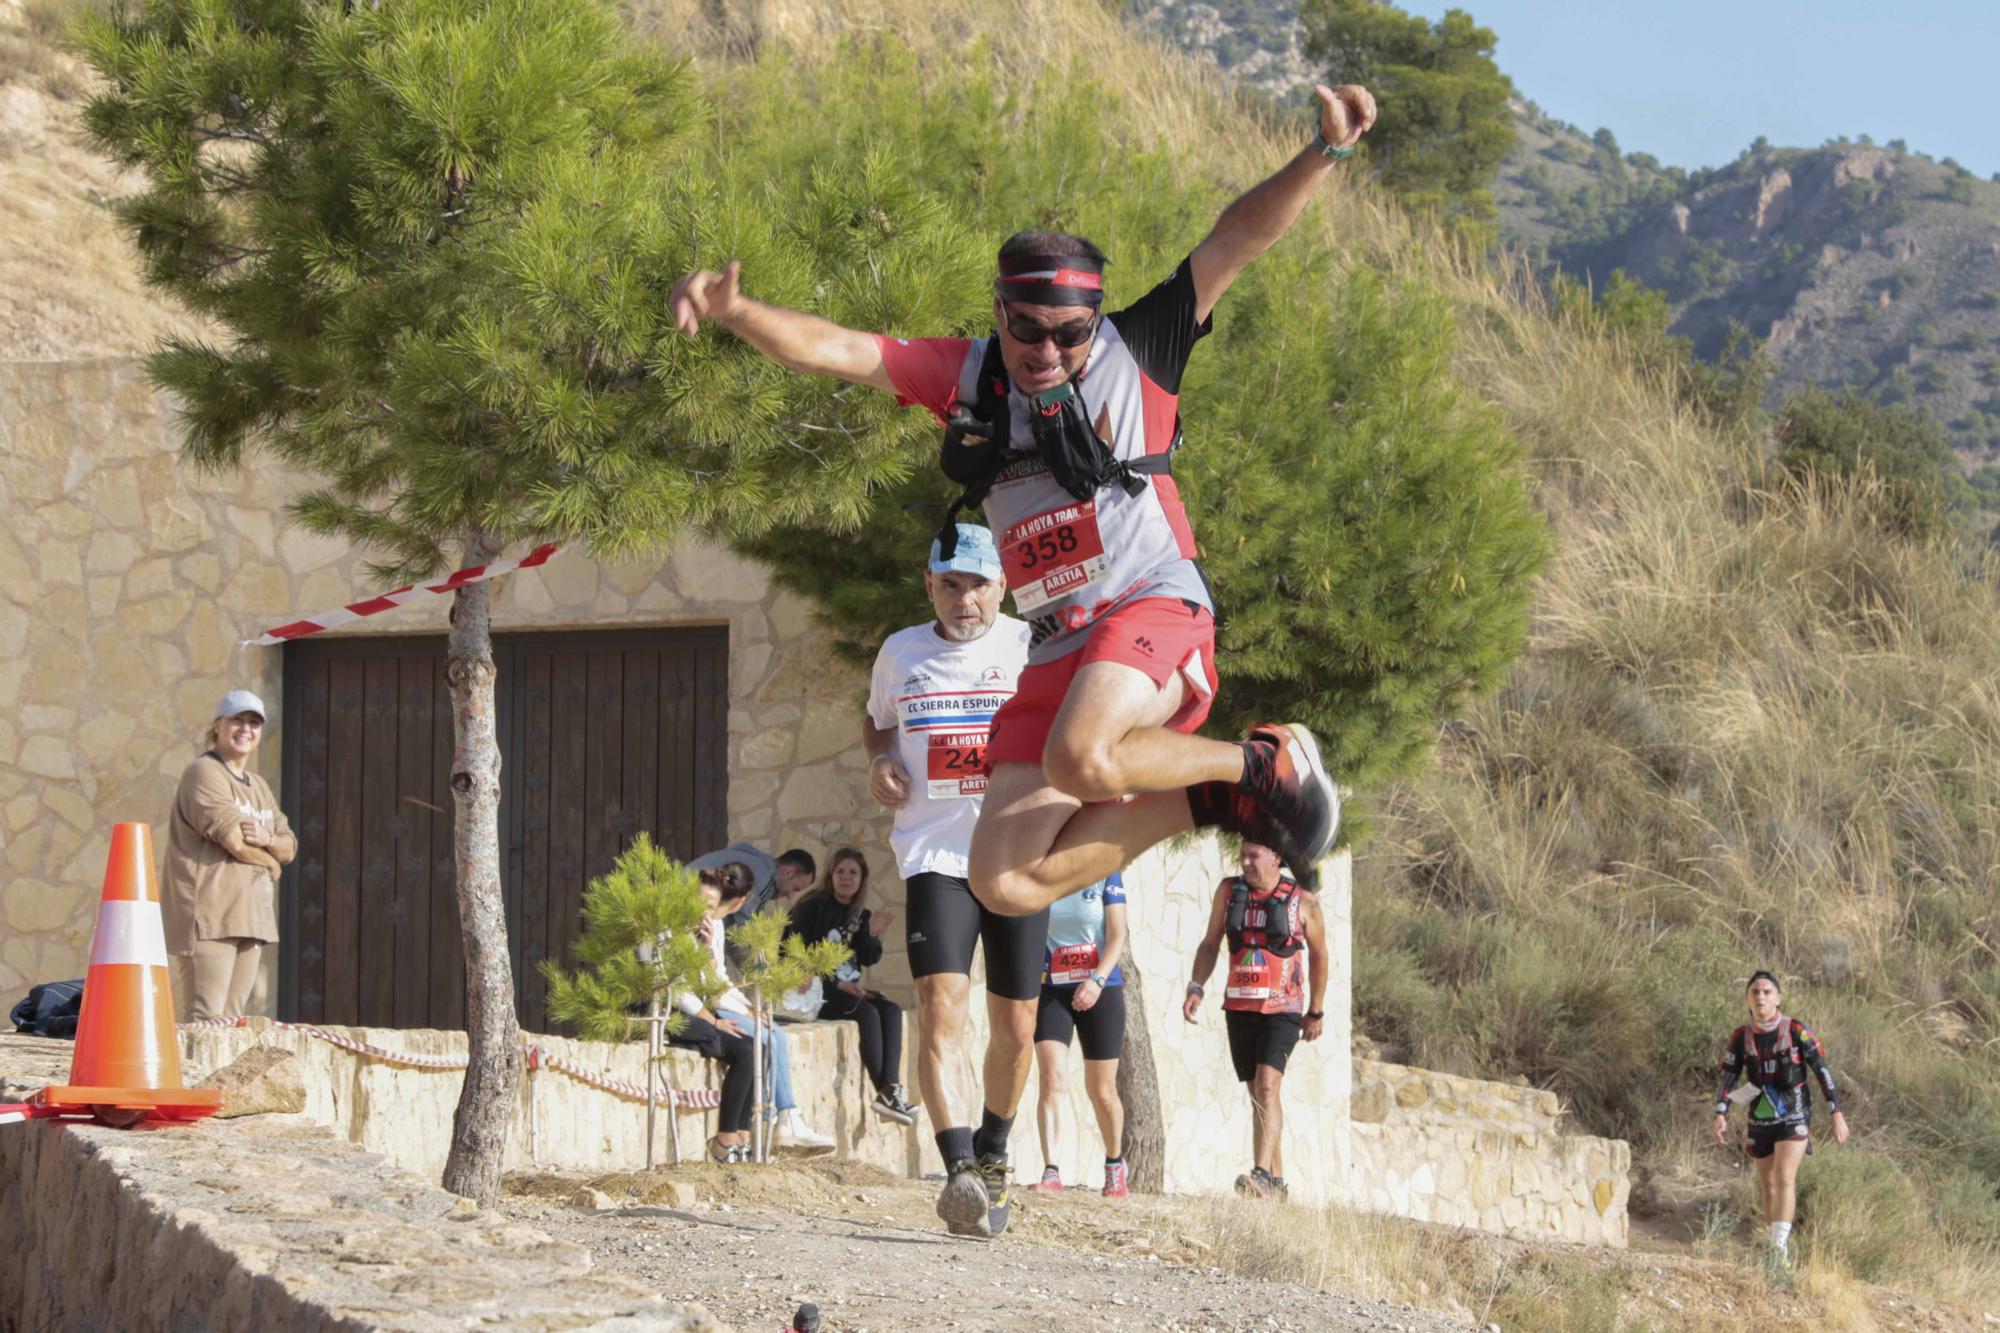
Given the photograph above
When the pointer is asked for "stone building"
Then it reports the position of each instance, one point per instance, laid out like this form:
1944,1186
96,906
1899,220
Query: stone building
133,577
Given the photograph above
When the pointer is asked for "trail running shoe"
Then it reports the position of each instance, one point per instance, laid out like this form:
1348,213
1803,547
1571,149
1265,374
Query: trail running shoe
1114,1181
1256,1183
963,1203
994,1171
1051,1181
892,1104
1296,806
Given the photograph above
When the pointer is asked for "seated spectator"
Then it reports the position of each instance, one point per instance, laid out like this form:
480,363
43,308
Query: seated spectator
725,1035
838,910
794,877
757,864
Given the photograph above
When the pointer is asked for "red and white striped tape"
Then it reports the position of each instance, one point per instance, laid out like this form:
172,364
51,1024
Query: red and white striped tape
414,592
689,1098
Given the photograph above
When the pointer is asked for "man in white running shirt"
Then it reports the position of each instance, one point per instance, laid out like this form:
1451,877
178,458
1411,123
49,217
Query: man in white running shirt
931,701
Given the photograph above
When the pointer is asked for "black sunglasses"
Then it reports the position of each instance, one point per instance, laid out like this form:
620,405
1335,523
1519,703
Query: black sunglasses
1064,335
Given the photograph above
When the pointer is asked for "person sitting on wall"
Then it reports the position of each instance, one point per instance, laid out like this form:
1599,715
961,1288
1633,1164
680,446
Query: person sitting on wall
1276,935
794,876
717,1035
838,910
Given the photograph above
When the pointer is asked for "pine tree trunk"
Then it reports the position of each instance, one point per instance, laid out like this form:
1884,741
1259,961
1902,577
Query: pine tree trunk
1139,1090
486,1103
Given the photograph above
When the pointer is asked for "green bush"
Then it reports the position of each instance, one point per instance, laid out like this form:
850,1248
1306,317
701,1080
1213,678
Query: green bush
1852,436
1858,1209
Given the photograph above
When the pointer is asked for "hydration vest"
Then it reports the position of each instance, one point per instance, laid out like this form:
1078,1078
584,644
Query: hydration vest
978,447
1266,941
1242,935
1785,1070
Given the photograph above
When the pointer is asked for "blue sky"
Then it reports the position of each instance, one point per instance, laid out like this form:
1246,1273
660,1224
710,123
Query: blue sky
1694,82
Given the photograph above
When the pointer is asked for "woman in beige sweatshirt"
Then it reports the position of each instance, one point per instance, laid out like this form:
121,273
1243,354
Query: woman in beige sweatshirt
227,840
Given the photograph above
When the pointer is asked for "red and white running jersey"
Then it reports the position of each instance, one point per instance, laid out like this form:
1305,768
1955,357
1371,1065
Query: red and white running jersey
1071,562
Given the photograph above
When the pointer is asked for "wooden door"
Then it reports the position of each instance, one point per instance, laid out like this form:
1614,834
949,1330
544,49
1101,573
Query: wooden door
602,736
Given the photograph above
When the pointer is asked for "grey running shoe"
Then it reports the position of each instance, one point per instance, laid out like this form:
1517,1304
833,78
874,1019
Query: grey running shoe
963,1203
994,1171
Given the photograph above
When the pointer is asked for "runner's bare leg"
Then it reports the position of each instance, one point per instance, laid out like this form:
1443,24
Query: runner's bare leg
1010,1052
941,1009
1036,842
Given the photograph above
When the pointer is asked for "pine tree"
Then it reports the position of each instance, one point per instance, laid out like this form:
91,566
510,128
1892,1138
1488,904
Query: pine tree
640,947
438,236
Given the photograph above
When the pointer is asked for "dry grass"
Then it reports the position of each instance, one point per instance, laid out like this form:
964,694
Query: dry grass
1541,1288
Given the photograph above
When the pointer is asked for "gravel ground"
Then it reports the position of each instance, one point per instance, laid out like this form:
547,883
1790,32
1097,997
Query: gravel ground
864,1248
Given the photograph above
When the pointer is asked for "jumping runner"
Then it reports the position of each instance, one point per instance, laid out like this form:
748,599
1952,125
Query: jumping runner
1063,425
1277,938
1772,1053
931,702
1083,993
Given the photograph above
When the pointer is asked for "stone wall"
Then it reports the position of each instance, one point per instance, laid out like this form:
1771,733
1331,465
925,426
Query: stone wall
130,578
1470,1153
558,1122
272,1223
1207,1112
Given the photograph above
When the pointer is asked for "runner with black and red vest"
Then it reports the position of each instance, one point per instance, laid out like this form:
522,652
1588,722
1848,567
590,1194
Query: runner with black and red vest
1776,1058
1062,426
1273,997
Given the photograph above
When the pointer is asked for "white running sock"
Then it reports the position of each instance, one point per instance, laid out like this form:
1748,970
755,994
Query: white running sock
1781,1235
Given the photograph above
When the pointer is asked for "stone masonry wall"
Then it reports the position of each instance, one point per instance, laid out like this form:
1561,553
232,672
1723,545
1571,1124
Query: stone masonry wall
1470,1153
274,1225
129,578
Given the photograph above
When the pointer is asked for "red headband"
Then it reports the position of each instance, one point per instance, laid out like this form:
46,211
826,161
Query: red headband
1042,280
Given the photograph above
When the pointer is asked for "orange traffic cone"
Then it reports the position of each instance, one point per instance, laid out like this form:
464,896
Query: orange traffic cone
127,1065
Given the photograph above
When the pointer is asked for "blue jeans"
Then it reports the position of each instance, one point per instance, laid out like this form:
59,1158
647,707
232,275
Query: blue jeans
781,1059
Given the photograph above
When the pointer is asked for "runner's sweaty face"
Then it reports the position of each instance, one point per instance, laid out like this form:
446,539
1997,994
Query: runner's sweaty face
965,603
1763,999
1040,366
1260,866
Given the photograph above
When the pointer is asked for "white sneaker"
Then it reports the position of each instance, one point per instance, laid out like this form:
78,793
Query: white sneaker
794,1135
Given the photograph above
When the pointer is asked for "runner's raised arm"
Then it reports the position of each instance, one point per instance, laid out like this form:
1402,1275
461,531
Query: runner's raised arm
794,339
1256,221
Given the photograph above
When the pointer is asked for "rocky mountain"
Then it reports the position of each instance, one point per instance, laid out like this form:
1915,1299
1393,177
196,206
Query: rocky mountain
1857,264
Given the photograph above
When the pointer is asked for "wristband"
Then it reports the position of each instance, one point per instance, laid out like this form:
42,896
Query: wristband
1722,1108
1320,1014
1194,988
1327,150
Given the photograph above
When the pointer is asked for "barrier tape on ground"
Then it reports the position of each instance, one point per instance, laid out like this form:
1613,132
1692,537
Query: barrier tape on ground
698,1099
413,592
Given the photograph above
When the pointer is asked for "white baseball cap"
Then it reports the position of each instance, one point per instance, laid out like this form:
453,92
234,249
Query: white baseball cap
240,701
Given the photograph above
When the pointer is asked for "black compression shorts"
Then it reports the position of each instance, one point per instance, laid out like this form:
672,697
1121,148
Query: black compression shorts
1101,1028
945,921
1764,1139
1261,1039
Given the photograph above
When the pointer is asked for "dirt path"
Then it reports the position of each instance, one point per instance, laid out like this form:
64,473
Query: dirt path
752,1245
